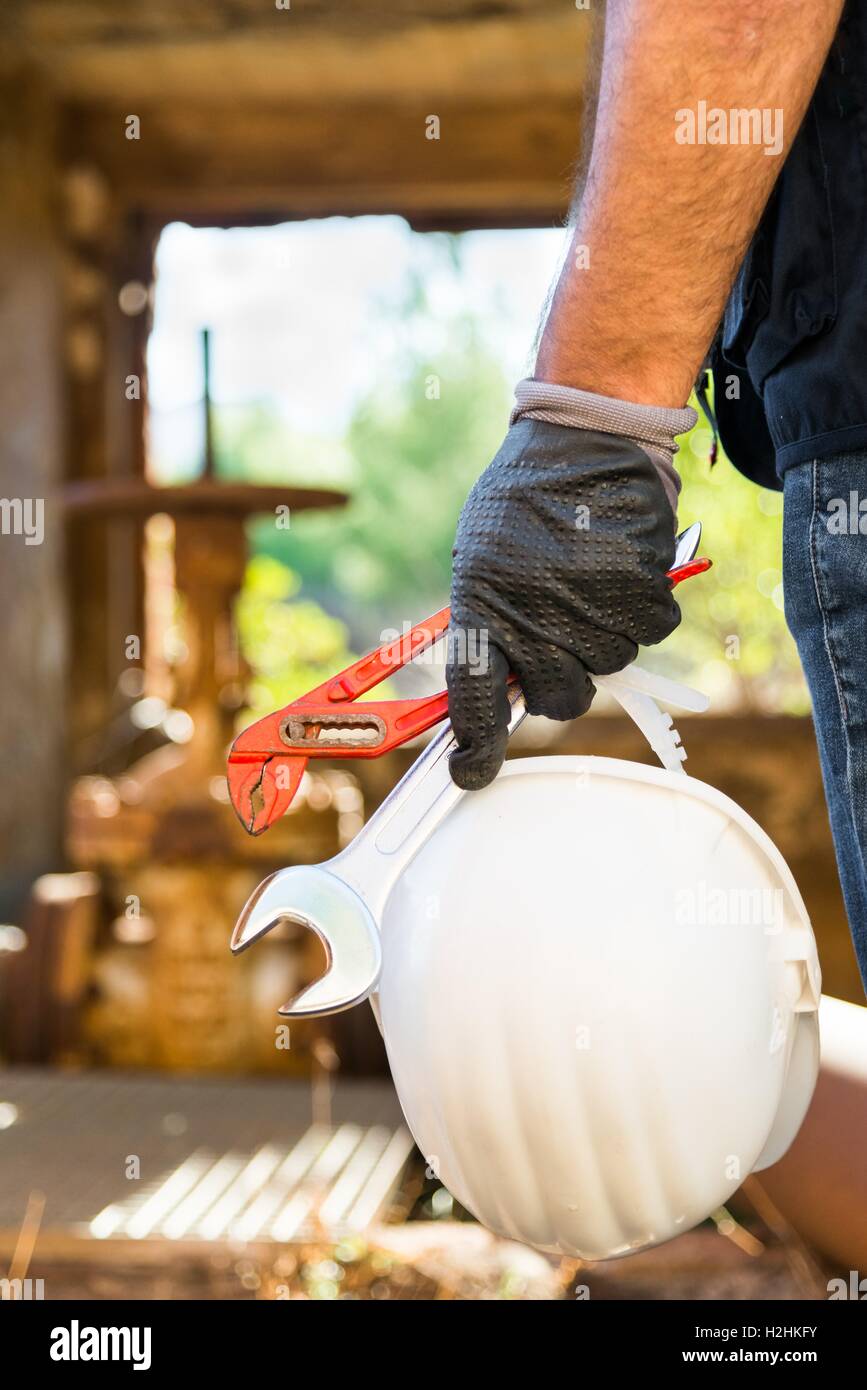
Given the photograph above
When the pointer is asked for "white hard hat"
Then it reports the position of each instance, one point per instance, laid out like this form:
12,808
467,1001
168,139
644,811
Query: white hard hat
599,996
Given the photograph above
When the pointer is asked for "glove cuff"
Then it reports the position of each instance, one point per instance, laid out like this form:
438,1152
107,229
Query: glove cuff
652,427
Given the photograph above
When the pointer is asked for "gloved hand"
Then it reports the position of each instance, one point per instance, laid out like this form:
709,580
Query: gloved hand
559,570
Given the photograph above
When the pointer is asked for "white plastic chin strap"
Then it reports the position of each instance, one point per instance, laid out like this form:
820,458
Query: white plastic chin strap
637,691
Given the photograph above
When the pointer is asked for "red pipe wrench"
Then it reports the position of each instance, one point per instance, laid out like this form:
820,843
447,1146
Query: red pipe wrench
268,759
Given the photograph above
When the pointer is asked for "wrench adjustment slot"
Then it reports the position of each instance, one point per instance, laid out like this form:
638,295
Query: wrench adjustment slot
346,730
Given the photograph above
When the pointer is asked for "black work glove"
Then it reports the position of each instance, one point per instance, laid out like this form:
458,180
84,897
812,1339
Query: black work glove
560,564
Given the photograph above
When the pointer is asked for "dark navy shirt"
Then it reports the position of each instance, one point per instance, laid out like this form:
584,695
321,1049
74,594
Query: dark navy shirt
790,361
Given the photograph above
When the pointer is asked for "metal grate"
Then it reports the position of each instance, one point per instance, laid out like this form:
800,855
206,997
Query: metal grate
218,1160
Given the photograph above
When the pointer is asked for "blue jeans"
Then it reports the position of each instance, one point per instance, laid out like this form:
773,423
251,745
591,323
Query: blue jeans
825,586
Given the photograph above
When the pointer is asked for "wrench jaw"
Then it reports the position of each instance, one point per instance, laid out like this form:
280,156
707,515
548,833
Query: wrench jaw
261,791
310,895
258,915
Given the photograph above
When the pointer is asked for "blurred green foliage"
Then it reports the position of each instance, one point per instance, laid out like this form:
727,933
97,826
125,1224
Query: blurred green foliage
416,447
733,642
291,644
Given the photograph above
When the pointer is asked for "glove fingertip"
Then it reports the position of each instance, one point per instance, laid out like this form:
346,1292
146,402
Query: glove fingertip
474,768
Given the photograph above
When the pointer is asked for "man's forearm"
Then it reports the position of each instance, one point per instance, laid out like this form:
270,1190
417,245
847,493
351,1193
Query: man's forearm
666,214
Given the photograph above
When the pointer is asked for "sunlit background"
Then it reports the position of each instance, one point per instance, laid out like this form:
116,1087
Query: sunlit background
362,354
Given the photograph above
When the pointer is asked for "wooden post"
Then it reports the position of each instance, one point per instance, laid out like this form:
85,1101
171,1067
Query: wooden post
32,632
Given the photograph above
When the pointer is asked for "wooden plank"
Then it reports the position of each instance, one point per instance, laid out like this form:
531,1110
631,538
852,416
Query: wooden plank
267,162
95,21
351,52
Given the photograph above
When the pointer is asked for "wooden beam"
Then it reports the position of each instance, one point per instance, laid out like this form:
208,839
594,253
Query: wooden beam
104,21
492,162
168,49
